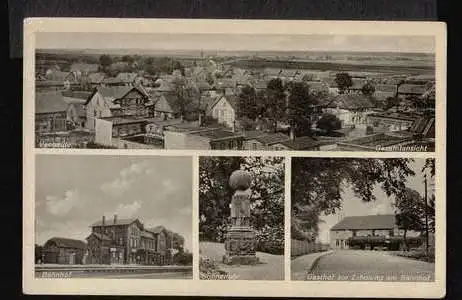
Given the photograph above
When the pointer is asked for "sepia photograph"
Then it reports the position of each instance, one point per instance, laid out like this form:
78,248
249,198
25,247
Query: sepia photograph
363,219
331,92
241,218
113,217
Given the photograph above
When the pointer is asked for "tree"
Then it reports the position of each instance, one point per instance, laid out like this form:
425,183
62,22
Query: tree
410,212
343,81
329,123
185,96
267,199
275,99
317,184
391,102
300,108
128,58
105,61
247,103
368,89
178,66
177,242
429,165
38,253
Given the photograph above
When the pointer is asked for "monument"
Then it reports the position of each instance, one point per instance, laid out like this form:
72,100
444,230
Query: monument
240,237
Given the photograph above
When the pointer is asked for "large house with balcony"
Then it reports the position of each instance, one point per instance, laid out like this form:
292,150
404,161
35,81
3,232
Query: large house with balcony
127,241
117,101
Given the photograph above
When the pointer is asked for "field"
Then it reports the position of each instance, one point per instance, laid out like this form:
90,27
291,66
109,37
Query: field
392,67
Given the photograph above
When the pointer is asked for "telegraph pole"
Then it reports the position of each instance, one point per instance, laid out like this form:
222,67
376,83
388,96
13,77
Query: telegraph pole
426,216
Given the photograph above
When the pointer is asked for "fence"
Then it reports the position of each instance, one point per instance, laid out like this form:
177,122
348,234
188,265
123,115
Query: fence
299,247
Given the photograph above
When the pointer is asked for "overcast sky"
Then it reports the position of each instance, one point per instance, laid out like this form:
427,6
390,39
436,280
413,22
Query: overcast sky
74,191
234,42
353,206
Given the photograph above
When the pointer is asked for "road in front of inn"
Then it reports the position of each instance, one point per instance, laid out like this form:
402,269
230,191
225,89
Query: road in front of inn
367,265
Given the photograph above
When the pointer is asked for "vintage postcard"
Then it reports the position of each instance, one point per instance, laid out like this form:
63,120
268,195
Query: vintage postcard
234,158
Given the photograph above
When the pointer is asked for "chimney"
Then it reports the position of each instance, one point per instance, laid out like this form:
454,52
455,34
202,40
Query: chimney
104,221
115,219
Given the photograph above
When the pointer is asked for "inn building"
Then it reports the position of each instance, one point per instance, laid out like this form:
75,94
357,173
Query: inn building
370,225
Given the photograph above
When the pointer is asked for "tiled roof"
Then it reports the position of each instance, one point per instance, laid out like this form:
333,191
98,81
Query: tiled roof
416,89
110,222
126,77
317,85
49,102
44,83
157,229
100,236
110,80
217,134
248,135
57,76
301,143
358,83
79,95
166,103
96,77
366,222
385,88
117,120
352,101
67,243
80,109
84,67
272,138
114,92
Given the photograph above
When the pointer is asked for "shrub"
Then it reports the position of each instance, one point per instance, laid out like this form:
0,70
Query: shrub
270,240
208,268
183,258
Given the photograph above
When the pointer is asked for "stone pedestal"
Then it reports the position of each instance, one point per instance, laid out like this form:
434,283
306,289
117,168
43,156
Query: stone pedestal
240,246
240,239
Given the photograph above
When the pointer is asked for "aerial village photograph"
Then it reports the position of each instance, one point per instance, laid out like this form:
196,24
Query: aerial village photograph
113,217
241,218
363,219
213,91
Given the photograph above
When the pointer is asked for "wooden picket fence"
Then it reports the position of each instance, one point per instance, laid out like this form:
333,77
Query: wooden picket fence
299,247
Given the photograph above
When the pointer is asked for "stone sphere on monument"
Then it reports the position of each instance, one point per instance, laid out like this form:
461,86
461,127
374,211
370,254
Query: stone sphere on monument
240,180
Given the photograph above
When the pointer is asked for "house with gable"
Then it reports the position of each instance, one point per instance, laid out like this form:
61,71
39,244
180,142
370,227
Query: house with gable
117,101
223,109
351,109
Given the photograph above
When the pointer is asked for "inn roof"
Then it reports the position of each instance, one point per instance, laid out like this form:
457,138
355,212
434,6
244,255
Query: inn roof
366,222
